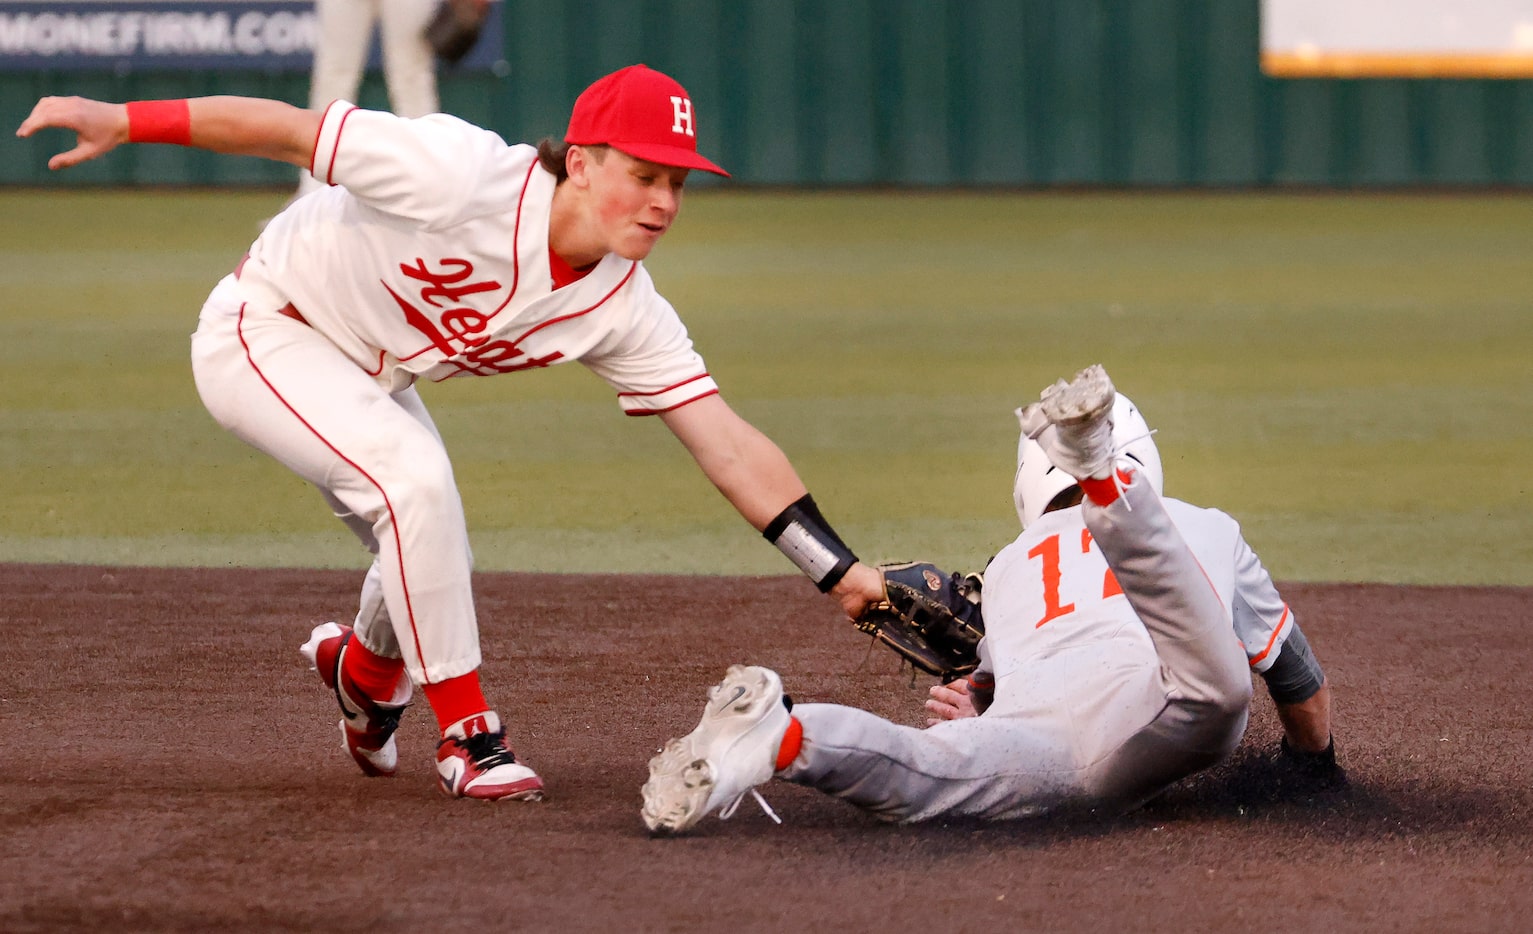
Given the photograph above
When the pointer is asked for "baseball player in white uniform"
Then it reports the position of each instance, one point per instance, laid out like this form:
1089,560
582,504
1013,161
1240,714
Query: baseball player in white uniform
1120,637
439,251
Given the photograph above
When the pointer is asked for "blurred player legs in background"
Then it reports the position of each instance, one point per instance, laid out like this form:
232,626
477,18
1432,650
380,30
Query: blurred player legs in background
345,33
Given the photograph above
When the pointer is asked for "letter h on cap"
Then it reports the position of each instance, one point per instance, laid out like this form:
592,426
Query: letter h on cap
681,107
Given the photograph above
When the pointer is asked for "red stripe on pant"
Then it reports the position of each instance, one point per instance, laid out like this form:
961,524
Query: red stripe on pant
393,520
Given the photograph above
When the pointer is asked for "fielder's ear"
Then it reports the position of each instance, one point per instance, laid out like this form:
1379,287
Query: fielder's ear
576,162
579,160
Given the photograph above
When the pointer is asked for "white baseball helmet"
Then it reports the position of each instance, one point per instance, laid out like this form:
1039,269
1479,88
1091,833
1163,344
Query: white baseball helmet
1039,481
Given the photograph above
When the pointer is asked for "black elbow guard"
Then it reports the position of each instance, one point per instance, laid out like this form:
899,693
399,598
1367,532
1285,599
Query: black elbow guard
1295,676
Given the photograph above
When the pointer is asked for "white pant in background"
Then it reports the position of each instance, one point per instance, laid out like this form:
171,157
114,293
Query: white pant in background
340,56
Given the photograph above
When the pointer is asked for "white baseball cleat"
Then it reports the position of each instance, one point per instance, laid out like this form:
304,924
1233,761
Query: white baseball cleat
473,761
732,750
1073,424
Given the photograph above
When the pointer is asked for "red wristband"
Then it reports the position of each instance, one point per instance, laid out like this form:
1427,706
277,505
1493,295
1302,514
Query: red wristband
160,122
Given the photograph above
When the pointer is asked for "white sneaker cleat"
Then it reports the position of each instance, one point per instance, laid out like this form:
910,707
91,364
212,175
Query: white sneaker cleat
473,761
367,724
732,750
1080,415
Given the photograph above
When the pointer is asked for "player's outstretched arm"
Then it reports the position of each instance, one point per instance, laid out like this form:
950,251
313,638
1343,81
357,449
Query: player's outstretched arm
245,126
99,127
755,476
747,467
859,589
1307,724
1309,749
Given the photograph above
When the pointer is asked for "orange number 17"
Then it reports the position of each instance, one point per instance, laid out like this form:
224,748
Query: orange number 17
1048,552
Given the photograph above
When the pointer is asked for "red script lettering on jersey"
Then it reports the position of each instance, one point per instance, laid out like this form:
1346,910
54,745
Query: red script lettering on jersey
444,284
460,333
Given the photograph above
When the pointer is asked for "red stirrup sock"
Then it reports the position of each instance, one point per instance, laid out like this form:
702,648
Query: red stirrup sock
456,699
160,122
792,742
375,675
1104,491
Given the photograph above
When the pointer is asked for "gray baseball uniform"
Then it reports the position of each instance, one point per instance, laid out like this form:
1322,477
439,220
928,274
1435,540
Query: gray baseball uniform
1122,640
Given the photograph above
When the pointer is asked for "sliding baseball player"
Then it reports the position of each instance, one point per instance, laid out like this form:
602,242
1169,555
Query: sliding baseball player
1121,631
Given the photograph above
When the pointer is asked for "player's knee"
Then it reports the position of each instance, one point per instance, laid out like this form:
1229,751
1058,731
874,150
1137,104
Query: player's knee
1234,707
1233,702
1216,728
421,482
1223,702
362,528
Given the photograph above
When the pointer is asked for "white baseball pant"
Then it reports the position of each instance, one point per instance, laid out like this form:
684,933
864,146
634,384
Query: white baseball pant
283,388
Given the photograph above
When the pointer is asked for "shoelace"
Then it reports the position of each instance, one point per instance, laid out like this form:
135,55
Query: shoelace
489,749
728,810
1117,481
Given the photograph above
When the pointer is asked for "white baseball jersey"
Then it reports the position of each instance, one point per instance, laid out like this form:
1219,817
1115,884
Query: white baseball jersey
1110,684
432,262
429,260
1050,593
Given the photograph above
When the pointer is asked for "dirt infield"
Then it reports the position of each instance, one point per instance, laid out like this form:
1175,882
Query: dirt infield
167,763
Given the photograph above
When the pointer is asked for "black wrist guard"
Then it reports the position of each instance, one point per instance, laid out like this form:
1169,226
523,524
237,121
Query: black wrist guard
801,533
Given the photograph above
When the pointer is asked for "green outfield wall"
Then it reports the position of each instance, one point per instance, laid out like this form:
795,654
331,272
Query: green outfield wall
1157,93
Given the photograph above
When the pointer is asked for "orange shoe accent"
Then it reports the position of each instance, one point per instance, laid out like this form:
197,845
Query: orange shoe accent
792,742
1104,492
456,699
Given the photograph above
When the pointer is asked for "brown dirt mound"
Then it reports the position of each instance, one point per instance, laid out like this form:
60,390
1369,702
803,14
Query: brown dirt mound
167,763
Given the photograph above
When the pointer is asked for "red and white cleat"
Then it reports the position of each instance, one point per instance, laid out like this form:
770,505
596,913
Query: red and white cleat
473,761
367,725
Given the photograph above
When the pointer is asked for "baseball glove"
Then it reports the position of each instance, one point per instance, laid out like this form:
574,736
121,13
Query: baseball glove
929,618
454,29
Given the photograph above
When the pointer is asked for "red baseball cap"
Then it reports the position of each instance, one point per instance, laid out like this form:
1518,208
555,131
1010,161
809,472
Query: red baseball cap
644,113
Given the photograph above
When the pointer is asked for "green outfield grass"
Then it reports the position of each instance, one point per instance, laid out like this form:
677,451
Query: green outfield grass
1349,375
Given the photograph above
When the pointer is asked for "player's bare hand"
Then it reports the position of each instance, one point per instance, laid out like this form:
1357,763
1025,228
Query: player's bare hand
859,589
99,127
949,702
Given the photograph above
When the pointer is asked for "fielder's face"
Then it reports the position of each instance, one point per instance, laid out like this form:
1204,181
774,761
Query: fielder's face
633,202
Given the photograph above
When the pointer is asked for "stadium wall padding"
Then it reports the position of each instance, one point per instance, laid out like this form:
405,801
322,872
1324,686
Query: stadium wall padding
911,93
